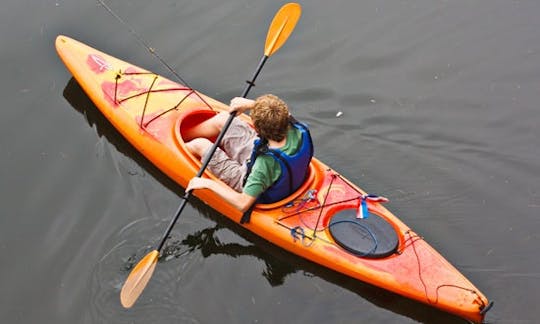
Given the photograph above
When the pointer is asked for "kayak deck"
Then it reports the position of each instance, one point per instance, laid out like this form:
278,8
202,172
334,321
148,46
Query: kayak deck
152,112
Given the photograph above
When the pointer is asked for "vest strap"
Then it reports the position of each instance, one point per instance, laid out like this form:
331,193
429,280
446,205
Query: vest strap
247,215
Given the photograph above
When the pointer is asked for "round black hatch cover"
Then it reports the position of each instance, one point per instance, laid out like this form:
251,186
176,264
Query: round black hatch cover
370,237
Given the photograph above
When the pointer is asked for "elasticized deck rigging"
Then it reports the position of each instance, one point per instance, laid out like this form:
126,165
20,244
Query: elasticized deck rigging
151,90
482,306
370,237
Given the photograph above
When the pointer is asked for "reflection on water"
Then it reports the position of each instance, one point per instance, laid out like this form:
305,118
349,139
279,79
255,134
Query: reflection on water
206,243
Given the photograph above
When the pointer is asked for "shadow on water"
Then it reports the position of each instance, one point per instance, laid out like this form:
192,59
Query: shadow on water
279,263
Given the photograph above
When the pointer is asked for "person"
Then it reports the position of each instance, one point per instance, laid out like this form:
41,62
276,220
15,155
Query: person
260,164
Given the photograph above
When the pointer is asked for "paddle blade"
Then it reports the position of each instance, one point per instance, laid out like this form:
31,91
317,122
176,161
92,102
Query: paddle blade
281,27
138,278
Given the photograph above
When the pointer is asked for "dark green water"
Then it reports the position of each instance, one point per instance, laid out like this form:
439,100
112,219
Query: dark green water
440,103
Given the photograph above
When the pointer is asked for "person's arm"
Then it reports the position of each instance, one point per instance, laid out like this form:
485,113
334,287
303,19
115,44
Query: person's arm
239,200
240,105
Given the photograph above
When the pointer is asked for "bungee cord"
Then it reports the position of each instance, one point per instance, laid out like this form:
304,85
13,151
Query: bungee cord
147,97
147,93
413,239
301,206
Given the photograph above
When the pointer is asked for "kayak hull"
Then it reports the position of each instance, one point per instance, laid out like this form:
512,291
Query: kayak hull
152,112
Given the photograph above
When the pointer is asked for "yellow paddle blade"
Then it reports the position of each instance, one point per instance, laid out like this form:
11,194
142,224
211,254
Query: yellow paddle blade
281,27
138,278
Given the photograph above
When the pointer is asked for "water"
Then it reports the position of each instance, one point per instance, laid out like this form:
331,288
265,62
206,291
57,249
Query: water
439,103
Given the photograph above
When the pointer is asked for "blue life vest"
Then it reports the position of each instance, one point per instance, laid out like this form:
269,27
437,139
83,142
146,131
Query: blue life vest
294,168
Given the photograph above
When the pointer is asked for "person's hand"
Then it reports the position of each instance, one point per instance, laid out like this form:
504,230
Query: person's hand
240,104
197,183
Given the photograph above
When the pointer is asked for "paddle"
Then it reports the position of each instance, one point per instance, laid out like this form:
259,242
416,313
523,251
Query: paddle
281,27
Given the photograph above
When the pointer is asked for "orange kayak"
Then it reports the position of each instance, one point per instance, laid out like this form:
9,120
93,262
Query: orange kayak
329,220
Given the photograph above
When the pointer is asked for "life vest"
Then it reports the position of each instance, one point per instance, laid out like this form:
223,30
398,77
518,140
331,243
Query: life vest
293,167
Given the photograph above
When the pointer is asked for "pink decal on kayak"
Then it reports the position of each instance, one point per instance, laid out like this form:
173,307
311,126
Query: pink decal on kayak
134,70
165,82
157,125
97,63
119,91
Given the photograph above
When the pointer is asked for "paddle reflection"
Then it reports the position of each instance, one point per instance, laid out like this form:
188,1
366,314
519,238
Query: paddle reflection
207,243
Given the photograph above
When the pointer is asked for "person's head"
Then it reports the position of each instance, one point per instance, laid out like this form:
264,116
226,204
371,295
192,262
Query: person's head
270,117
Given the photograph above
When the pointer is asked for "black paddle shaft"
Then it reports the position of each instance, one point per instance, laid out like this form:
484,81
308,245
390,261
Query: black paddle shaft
213,149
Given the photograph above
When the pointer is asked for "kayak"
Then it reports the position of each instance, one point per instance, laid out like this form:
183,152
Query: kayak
328,220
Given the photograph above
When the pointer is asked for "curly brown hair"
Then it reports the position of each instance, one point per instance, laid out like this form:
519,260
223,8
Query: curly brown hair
270,117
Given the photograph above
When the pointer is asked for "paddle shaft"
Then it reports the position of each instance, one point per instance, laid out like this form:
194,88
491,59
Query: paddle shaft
208,157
